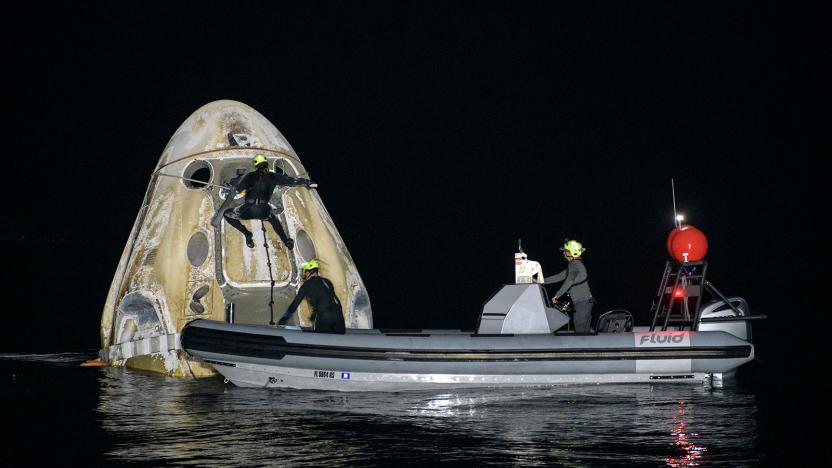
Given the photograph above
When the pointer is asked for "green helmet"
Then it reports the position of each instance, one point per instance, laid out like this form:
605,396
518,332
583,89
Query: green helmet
574,248
310,265
259,159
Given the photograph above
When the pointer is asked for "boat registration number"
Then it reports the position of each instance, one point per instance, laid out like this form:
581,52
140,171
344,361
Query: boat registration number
324,374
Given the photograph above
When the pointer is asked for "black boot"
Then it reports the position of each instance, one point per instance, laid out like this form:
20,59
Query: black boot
249,239
290,243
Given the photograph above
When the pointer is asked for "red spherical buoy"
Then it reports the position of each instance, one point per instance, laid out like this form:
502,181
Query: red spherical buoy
687,244
670,240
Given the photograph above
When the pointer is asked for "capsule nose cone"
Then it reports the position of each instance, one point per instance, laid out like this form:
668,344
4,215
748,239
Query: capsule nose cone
224,124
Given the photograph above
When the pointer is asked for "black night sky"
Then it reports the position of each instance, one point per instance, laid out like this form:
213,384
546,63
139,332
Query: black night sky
439,133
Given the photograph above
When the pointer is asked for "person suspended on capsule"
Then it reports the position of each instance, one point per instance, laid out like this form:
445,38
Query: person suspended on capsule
574,278
257,186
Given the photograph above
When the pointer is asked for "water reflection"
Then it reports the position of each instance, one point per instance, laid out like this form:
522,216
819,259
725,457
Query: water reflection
684,441
155,419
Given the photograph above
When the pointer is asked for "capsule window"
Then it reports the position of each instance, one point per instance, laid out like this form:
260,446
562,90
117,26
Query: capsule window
197,175
304,245
198,249
283,166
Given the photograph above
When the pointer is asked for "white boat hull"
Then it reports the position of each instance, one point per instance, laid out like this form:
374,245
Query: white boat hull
372,360
252,375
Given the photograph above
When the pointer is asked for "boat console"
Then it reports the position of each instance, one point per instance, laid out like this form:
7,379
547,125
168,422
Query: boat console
520,309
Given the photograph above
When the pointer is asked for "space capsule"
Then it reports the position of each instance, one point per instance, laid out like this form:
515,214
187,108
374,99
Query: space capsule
176,266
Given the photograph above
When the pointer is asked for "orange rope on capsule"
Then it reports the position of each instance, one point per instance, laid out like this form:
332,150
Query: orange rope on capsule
94,363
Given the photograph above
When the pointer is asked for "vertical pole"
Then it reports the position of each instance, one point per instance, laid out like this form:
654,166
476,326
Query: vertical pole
676,221
659,302
271,277
670,301
702,285
229,312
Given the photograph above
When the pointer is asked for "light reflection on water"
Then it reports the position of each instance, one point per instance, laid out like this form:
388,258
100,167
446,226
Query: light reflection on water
207,422
691,452
147,419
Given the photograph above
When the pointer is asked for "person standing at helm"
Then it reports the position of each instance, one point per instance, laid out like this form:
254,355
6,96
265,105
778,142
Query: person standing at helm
575,284
327,314
257,186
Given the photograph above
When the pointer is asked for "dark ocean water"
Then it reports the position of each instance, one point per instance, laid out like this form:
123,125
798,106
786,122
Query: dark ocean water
66,415
774,413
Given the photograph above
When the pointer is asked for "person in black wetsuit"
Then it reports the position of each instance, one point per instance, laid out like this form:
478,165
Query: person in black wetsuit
258,186
326,308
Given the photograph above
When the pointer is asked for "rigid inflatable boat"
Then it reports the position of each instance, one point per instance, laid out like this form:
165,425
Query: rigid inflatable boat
521,339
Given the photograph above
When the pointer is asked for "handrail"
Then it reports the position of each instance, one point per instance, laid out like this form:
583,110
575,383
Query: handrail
733,319
217,150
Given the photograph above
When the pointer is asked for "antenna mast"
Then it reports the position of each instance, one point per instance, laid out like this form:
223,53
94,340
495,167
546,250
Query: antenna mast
676,221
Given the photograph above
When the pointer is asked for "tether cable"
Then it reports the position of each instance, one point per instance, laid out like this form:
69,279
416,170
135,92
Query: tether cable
271,278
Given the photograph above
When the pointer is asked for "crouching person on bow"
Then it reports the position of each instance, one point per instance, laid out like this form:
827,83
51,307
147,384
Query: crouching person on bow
327,314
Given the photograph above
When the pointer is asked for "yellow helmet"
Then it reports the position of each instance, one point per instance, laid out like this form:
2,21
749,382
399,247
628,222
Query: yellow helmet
310,265
259,159
574,248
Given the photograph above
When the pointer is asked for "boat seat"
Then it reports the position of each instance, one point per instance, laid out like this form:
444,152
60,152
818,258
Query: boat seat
614,321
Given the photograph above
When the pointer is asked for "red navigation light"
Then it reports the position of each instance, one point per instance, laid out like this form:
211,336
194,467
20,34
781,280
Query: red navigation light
678,293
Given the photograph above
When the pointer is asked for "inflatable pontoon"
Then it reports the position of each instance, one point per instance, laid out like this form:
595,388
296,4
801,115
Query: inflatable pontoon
520,340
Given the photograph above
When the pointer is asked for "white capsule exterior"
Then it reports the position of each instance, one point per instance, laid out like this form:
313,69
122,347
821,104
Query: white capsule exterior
177,267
